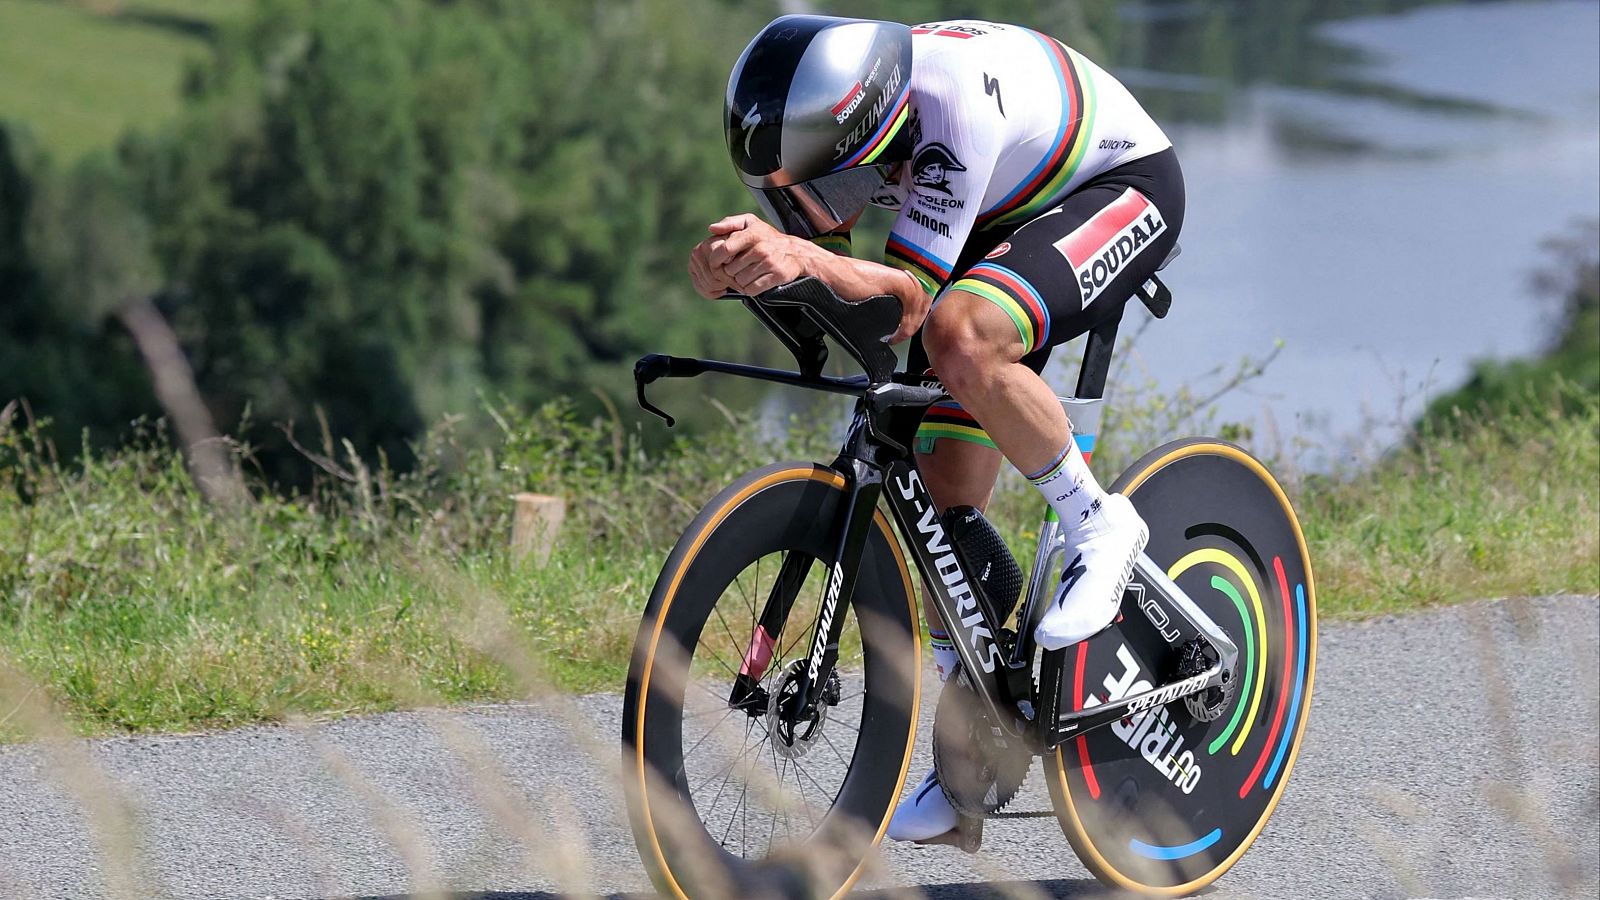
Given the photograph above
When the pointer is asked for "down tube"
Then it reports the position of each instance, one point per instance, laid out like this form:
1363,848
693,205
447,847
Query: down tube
946,581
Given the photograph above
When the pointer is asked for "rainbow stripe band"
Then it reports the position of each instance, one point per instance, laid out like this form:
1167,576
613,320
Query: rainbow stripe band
833,243
1050,470
947,419
1015,297
1071,144
1227,589
1299,685
930,271
880,139
1284,692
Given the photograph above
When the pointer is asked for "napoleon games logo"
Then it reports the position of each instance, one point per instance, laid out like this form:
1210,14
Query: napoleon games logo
1103,246
932,167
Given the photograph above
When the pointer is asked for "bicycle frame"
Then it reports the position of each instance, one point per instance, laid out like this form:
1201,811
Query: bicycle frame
877,463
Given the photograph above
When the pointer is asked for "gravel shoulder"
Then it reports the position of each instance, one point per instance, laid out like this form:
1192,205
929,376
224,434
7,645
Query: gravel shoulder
1450,753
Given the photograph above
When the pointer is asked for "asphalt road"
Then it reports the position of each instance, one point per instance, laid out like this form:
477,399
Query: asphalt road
1449,754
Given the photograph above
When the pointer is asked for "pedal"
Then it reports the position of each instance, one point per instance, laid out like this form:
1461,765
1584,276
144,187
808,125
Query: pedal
967,836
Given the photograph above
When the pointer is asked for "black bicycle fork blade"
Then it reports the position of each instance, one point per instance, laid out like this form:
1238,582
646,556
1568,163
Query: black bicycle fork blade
865,485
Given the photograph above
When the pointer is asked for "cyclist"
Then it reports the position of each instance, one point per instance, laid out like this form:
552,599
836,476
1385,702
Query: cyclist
1034,196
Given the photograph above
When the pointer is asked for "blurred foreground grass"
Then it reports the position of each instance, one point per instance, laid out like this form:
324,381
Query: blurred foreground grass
138,608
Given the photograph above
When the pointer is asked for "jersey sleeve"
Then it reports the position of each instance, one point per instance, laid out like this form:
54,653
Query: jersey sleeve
837,243
957,140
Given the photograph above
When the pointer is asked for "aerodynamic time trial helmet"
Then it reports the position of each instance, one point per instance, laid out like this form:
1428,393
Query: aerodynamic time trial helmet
816,112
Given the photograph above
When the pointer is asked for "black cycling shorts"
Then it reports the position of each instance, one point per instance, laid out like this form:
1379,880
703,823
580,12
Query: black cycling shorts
1065,271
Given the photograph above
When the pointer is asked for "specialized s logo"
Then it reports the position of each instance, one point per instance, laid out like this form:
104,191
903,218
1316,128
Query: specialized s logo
748,123
1103,246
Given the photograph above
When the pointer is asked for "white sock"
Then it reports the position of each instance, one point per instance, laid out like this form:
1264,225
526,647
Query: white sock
1070,489
944,654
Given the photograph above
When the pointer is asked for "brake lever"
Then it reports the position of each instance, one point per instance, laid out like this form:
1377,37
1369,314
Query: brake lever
648,369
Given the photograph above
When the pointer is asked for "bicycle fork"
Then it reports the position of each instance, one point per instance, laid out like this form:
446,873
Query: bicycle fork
864,484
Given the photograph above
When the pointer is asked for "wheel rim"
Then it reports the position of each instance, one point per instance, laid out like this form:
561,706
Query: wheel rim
752,788
681,856
1124,807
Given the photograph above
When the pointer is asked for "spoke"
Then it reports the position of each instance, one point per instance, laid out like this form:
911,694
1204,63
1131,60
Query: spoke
734,640
735,817
845,724
835,749
783,804
801,771
777,804
721,699
744,751
727,668
707,712
702,740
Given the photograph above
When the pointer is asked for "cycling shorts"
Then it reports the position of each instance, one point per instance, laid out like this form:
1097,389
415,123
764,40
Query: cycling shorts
1065,271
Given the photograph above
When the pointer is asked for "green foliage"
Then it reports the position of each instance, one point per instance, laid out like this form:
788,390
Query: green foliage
139,607
82,73
1501,503
58,349
1569,367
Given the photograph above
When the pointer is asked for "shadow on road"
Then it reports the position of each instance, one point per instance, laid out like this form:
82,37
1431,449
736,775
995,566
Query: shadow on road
981,890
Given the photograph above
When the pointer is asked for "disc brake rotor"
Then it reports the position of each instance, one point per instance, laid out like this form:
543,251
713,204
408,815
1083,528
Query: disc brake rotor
981,767
794,739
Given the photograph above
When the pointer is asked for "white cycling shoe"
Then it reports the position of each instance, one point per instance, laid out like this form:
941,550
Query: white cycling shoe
924,815
1093,582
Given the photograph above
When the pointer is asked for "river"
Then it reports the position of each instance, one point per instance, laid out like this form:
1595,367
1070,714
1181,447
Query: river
1384,228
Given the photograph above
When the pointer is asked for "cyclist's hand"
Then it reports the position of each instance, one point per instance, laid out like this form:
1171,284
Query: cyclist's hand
914,306
709,281
755,256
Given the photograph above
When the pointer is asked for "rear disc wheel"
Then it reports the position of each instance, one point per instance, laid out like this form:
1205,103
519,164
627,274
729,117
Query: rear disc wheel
1164,803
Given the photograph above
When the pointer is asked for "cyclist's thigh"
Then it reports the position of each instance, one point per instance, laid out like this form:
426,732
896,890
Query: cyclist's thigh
1072,268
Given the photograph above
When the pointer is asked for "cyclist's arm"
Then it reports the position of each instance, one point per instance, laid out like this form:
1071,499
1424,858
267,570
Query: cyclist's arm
955,159
757,257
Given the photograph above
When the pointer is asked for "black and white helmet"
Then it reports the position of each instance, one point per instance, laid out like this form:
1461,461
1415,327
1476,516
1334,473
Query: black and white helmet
816,111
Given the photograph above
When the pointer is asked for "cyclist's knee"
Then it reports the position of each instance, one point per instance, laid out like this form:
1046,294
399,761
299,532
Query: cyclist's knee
965,335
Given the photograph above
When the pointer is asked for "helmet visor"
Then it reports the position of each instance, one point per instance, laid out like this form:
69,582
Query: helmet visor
821,205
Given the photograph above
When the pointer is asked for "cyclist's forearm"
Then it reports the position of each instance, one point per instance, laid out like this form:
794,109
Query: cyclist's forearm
857,279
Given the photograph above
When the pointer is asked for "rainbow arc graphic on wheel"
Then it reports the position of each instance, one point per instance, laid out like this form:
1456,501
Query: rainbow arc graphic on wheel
1161,801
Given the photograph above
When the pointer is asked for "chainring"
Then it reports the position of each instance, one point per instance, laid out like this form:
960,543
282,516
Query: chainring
980,766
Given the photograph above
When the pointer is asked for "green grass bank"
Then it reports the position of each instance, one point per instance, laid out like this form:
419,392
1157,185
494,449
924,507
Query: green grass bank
81,74
127,604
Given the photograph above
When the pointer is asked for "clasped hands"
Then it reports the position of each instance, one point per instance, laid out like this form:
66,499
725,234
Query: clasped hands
745,255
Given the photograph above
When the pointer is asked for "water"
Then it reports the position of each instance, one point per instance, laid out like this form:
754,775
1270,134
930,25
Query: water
1384,230
1371,192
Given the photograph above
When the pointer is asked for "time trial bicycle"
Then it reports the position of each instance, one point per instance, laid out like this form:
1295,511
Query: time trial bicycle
773,696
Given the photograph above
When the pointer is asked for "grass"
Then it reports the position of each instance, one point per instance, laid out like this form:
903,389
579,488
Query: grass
79,74
135,607
1496,505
